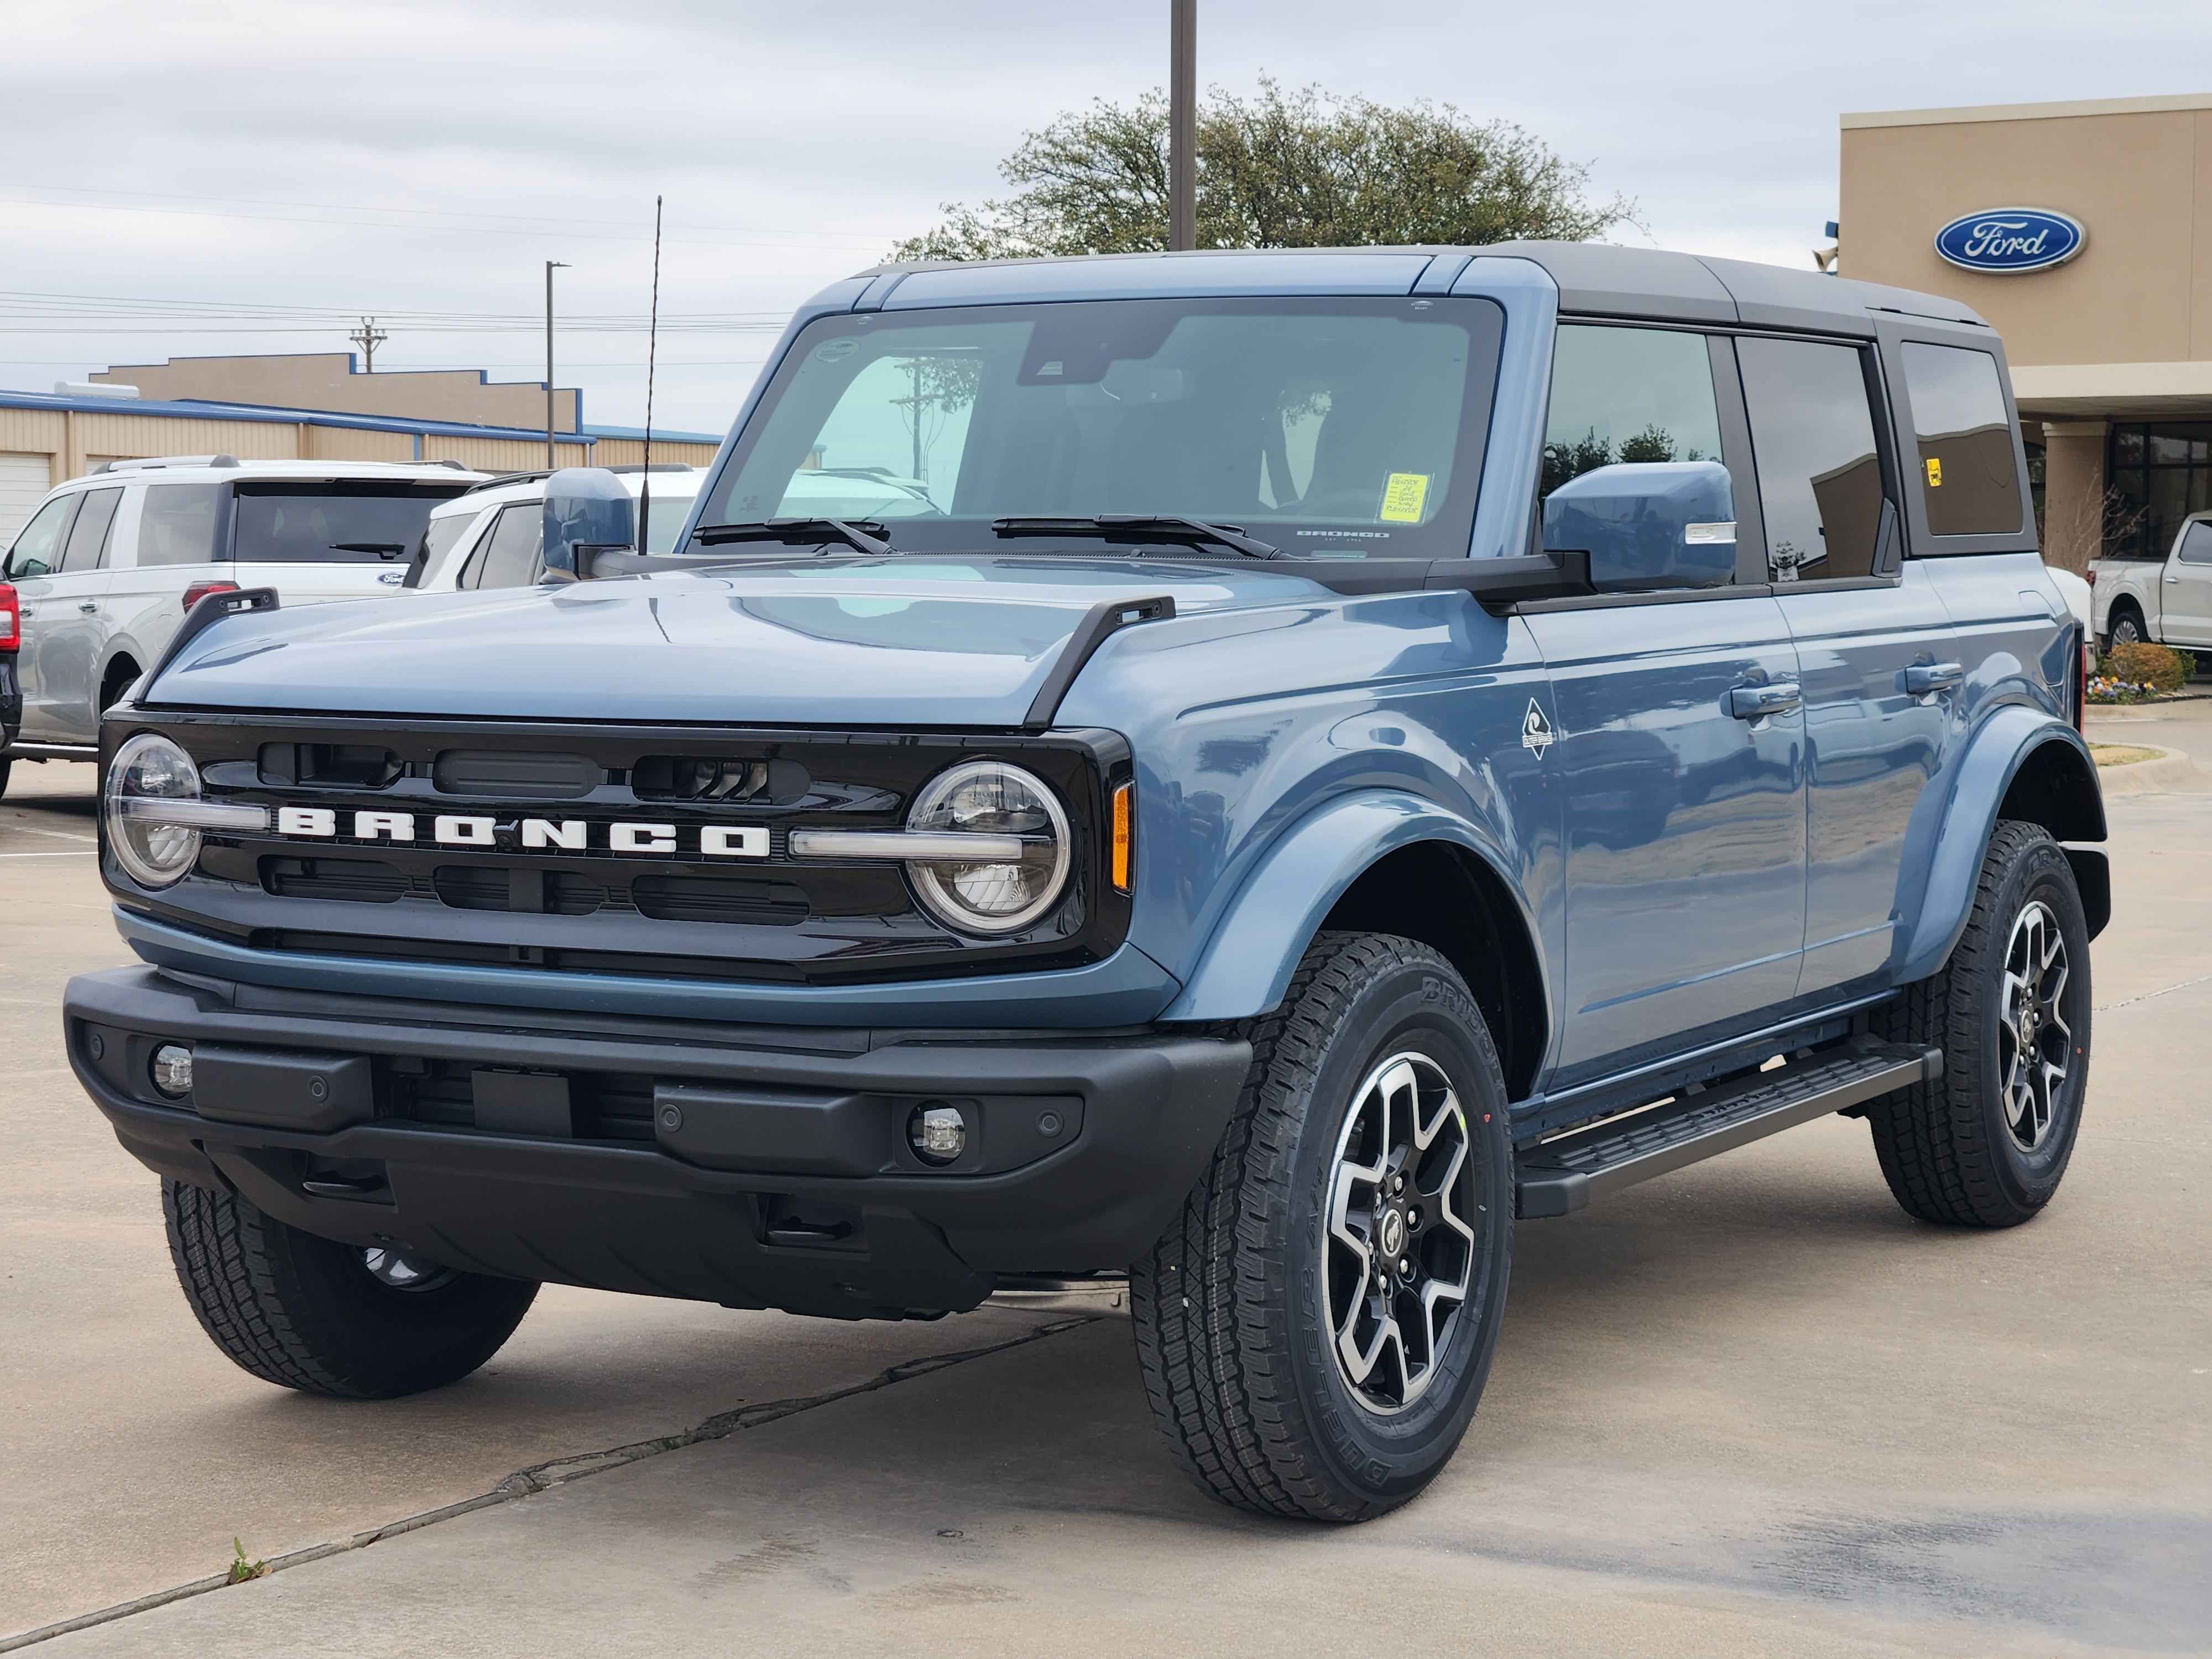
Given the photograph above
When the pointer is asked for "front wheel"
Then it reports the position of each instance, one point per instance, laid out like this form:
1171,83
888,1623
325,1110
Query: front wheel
1316,1328
1986,1143
328,1318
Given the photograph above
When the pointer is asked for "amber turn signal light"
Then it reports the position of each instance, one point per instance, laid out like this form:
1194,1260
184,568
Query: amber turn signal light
1123,829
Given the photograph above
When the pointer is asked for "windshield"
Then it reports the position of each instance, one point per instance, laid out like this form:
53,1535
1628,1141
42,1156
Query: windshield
1329,428
355,521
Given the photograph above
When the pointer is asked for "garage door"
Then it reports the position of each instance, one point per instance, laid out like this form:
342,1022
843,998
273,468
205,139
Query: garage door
24,481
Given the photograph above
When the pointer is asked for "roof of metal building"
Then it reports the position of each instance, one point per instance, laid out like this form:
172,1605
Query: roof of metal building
196,409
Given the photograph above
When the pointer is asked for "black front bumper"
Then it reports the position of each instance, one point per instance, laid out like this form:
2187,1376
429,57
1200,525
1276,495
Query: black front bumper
753,1167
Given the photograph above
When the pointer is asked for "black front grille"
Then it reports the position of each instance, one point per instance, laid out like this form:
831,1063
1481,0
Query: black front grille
692,898
356,880
719,778
521,775
535,890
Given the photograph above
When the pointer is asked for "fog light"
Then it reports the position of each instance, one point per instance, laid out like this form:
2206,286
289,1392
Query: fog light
173,1070
937,1132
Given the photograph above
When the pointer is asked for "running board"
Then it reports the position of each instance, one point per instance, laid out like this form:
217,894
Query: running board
1560,1176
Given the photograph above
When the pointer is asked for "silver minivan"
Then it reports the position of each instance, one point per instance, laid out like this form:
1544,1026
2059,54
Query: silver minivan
104,570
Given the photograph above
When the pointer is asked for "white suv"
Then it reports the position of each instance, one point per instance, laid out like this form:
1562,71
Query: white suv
104,570
494,534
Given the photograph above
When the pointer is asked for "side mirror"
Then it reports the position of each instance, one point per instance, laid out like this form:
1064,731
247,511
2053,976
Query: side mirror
1648,525
586,512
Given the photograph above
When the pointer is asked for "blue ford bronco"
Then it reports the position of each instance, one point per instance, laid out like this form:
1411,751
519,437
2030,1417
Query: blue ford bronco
1285,765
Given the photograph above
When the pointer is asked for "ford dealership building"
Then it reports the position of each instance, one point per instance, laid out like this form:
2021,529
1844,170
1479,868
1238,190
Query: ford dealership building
2083,231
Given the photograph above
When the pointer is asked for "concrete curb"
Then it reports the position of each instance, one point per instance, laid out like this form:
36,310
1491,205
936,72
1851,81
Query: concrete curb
2171,769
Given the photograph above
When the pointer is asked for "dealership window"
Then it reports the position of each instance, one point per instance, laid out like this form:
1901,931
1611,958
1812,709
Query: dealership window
1966,473
2158,473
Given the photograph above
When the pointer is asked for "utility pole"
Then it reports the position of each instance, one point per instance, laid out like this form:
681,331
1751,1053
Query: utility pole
369,336
1182,123
552,265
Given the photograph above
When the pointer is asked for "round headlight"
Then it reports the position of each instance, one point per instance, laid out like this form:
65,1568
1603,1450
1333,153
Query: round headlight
988,797
150,766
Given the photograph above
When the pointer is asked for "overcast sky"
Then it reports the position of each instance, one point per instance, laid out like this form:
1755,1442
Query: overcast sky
248,166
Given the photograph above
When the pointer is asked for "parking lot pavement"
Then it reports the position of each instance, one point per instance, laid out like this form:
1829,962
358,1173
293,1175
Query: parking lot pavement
1748,1408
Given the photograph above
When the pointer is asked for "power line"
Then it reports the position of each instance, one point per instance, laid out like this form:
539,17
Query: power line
433,213
855,245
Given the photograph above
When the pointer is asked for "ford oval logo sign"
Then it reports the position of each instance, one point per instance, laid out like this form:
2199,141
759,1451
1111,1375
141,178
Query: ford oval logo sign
2004,242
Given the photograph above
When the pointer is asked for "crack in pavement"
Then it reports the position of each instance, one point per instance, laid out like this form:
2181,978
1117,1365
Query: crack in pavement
542,1477
2129,1002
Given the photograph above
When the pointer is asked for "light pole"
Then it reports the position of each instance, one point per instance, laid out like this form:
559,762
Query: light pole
1182,123
552,265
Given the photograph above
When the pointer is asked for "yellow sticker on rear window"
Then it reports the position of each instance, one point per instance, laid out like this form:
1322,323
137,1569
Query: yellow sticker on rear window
1935,473
1402,495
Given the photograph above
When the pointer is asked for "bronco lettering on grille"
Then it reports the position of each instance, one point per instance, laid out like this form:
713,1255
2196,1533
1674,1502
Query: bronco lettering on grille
713,840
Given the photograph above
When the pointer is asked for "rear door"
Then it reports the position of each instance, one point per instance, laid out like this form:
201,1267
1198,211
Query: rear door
1875,650
2186,587
343,539
1685,824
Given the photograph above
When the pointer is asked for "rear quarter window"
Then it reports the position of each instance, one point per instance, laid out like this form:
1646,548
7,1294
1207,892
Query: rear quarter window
185,524
1967,474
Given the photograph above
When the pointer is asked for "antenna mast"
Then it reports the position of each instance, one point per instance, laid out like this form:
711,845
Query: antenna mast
652,345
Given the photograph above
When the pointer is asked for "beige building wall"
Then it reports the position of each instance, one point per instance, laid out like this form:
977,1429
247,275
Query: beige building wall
327,380
2123,331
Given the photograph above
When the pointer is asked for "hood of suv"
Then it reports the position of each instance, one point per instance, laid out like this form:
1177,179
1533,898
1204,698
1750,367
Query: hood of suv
866,642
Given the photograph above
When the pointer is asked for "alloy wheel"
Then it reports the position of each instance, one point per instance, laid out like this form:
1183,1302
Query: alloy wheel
2035,1045
1400,1253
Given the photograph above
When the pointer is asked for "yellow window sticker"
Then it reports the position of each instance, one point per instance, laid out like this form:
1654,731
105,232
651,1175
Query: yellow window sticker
1935,473
1402,495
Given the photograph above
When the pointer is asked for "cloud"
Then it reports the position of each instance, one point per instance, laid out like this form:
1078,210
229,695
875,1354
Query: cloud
418,158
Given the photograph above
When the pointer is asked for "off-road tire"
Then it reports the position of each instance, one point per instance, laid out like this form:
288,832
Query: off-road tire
304,1313
1945,1146
1233,1335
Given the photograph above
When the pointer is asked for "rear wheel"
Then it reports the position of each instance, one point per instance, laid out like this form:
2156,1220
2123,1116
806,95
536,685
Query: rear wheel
1315,1329
6,766
1986,1143
327,1318
2126,627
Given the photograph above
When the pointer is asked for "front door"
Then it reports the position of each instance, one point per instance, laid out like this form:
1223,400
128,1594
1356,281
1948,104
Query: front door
1684,819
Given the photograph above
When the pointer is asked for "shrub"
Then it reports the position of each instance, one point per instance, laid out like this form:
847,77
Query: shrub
2151,665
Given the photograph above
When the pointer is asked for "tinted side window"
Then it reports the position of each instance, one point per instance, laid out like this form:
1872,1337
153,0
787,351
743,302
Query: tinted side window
2196,543
185,524
38,551
88,540
509,556
1819,475
438,539
1967,476
1628,394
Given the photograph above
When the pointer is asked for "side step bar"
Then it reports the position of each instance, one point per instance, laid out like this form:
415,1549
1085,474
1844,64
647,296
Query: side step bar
1563,1175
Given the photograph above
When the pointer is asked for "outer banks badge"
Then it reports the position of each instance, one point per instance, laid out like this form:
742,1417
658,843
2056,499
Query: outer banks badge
1535,730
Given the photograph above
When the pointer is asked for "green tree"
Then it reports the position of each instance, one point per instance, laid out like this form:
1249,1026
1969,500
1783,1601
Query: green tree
1301,169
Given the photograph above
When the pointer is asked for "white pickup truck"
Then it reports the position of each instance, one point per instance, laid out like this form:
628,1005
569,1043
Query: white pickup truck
2168,602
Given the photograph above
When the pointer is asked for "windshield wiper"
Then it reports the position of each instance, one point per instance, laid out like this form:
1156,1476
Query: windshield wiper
382,549
1143,527
864,534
